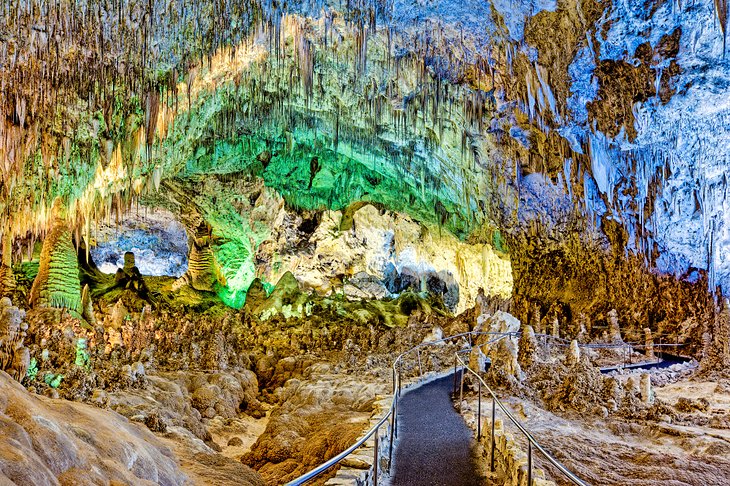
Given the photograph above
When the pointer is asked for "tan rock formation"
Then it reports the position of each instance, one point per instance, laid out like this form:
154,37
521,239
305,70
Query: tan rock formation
52,441
87,307
573,357
7,279
203,271
649,344
614,328
527,347
555,330
373,242
647,394
14,356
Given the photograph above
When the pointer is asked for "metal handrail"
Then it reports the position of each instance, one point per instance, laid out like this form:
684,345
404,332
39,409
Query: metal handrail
397,383
391,413
531,440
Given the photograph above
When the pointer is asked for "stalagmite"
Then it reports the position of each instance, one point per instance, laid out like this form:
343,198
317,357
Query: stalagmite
536,319
7,279
555,331
14,356
717,344
647,394
87,307
203,271
614,328
527,347
573,357
57,284
582,336
648,344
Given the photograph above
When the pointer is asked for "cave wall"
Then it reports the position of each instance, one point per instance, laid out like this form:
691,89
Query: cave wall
587,139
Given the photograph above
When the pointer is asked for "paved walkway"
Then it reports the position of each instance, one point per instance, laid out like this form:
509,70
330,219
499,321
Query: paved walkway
434,443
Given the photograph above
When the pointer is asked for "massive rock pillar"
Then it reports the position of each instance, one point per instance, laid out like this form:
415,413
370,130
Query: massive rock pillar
57,283
7,279
203,272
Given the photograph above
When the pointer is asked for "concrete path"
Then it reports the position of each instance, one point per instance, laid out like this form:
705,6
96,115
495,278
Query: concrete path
434,443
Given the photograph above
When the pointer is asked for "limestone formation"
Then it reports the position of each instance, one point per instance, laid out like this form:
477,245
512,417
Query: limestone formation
353,176
14,356
57,284
648,345
573,356
527,347
7,279
583,334
614,328
536,319
555,328
82,444
716,344
203,271
477,360
87,306
647,394
505,368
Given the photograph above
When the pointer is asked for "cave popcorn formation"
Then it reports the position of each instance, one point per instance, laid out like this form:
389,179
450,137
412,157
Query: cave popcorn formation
225,220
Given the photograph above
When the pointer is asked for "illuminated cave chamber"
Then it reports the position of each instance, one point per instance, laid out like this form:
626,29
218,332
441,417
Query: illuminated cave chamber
328,179
155,236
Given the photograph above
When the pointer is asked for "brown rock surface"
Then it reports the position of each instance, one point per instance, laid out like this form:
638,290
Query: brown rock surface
44,441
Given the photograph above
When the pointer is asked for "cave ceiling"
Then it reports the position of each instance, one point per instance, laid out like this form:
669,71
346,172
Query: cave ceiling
530,125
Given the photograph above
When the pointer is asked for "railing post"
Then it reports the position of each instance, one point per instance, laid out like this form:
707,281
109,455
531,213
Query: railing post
461,387
399,381
491,455
479,412
375,459
529,462
392,433
455,359
393,379
395,416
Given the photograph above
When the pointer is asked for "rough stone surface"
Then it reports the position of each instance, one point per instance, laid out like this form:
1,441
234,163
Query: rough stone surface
58,442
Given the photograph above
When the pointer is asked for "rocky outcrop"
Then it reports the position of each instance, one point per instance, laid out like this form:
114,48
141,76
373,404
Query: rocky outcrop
47,441
14,356
321,414
7,280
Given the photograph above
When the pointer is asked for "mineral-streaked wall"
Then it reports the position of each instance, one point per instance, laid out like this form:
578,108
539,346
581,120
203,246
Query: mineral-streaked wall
368,257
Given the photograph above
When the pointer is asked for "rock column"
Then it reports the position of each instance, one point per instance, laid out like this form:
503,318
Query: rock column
649,344
614,327
573,353
647,394
57,283
7,280
556,328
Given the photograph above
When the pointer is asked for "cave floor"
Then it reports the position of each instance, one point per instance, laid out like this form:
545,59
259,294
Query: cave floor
693,450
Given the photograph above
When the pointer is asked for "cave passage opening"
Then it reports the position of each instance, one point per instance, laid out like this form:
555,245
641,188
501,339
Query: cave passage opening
155,236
